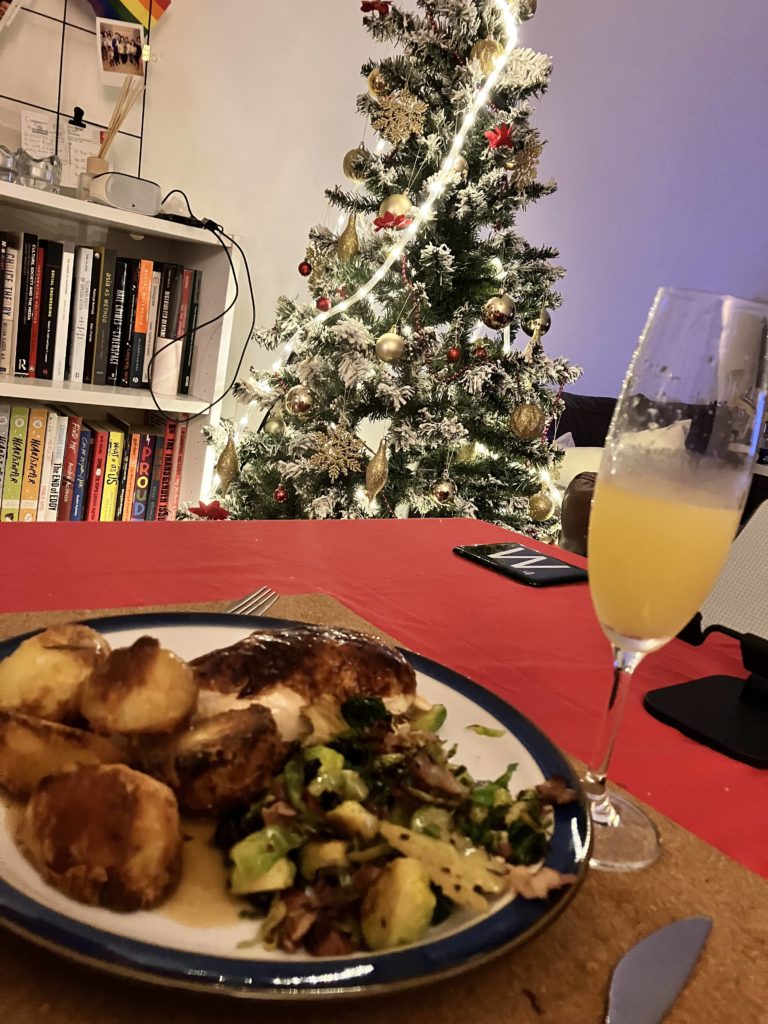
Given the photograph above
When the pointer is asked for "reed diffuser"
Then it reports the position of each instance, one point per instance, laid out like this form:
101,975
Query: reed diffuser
95,165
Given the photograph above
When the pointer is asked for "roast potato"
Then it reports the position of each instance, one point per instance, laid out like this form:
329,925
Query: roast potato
220,762
43,676
105,835
31,748
139,689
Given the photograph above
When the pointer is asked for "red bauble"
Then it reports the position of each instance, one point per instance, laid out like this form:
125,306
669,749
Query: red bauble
280,495
454,354
305,268
480,353
323,303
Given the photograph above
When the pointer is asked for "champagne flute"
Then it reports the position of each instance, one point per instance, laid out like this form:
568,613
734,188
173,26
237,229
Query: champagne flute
673,479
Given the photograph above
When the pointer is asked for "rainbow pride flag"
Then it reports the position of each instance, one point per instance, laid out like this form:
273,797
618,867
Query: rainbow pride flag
131,10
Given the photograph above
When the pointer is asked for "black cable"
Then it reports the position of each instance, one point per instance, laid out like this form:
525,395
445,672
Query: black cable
218,232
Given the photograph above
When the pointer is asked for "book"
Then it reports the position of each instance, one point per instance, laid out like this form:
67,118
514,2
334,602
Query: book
26,303
167,356
14,463
5,421
33,464
122,269
129,316
59,446
93,313
37,303
114,457
62,315
10,300
104,317
100,435
154,481
49,307
69,468
140,322
154,306
131,463
81,297
166,469
46,470
177,468
143,477
82,469
187,354
4,354
123,477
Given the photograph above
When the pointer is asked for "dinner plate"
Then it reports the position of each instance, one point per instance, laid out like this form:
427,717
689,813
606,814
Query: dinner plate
158,947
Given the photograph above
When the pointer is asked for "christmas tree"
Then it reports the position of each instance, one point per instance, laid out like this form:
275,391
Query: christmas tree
428,310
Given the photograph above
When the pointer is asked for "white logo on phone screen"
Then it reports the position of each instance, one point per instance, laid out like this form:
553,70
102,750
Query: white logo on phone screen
521,558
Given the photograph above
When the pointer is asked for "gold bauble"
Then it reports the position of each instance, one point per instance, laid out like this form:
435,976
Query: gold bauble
377,471
353,164
389,347
460,169
486,52
377,85
498,312
227,466
541,507
275,423
348,246
444,490
467,453
526,9
527,421
399,205
299,400
543,321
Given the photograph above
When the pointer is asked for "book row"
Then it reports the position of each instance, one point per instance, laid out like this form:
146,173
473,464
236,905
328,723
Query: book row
85,314
56,466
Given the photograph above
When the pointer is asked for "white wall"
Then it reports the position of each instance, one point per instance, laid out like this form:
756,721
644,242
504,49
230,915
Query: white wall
656,121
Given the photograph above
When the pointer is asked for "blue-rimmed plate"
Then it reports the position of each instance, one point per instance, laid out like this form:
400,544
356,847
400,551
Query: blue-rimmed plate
189,950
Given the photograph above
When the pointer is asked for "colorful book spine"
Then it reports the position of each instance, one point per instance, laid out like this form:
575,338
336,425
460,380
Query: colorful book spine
46,472
14,464
122,269
80,488
96,479
34,335
27,303
188,351
5,422
154,306
59,447
123,479
114,458
93,313
140,322
167,357
62,314
11,292
155,478
4,354
132,464
69,469
81,295
129,316
104,317
166,470
143,477
33,465
178,466
49,310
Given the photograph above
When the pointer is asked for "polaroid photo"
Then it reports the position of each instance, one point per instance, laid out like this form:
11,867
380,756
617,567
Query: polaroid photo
119,47
8,11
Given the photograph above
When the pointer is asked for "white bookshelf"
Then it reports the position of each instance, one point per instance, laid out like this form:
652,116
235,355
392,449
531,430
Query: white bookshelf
134,235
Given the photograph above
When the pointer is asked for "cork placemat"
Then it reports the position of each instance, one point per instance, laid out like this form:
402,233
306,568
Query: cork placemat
559,978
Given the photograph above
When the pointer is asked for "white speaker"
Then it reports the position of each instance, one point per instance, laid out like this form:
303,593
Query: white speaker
125,192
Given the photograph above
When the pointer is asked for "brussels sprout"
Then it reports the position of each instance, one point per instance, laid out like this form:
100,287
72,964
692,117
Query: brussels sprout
352,819
319,856
257,853
398,907
432,720
279,876
432,821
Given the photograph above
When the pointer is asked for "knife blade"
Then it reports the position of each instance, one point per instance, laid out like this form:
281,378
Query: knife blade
649,978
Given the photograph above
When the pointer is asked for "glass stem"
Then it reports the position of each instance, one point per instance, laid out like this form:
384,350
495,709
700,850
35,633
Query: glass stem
624,664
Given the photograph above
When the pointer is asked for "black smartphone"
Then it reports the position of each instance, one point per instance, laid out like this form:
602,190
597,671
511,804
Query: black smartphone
524,564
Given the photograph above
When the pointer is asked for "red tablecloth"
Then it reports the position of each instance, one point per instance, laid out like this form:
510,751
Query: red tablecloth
540,649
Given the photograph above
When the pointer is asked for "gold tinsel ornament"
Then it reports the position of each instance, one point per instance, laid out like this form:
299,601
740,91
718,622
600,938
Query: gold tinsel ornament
525,164
377,85
399,116
377,471
337,451
227,466
486,52
348,245
353,164
541,507
527,421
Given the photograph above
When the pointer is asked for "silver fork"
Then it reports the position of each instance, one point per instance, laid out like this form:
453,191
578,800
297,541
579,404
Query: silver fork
256,603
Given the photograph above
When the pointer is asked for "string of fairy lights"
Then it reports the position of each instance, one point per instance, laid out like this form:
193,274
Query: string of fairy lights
419,215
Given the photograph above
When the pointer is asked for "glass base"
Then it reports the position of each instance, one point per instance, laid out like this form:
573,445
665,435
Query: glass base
625,838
